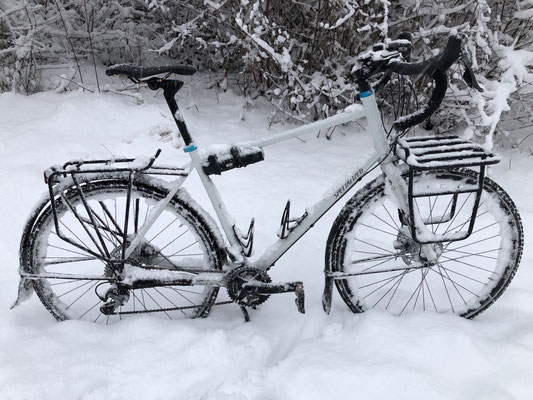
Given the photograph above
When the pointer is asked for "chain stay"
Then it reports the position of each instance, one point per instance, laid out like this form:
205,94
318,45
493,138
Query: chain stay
171,308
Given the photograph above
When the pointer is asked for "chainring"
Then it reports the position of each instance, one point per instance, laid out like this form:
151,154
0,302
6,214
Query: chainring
241,275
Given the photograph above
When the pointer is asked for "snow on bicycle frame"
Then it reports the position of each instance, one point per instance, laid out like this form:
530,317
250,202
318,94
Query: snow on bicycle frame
219,158
419,154
439,153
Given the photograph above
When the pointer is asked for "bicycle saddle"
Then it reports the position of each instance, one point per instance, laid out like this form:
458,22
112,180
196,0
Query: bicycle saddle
140,72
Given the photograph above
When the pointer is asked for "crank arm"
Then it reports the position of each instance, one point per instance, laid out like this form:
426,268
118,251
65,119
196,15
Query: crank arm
274,288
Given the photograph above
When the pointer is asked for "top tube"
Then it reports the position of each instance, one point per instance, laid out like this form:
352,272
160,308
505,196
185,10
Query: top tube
350,114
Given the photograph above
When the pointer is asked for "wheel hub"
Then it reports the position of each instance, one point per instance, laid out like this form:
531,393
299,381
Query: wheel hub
411,251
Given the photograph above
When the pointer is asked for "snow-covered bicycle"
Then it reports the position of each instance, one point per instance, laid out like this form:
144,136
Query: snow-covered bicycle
119,237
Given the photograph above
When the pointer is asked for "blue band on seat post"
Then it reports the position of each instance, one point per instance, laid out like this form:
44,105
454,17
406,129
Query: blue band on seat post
190,148
366,93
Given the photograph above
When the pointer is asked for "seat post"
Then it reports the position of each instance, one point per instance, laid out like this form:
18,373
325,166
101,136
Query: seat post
170,88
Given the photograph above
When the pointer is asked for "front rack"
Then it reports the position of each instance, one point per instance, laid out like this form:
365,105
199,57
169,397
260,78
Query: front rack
432,153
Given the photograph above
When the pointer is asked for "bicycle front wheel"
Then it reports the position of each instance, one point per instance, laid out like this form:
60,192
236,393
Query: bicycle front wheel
95,223
381,267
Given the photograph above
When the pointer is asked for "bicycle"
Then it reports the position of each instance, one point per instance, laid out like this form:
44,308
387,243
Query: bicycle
430,233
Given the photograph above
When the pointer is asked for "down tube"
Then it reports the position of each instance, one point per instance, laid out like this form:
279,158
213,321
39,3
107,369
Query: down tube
315,212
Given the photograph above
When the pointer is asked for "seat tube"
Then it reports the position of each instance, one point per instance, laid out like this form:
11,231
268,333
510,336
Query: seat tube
169,92
170,89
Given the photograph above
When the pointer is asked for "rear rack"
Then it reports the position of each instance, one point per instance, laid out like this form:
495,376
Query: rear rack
143,165
431,153
61,178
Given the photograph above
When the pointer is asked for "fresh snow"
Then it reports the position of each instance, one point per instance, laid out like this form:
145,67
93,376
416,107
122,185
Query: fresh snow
280,354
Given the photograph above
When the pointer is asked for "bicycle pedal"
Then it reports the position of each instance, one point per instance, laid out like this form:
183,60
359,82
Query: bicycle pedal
268,288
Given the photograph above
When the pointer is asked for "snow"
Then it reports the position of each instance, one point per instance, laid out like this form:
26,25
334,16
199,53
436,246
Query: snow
133,274
495,100
284,60
280,354
215,6
340,21
354,108
524,14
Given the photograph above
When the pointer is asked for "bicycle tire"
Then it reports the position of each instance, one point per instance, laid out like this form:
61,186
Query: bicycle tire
465,288
40,242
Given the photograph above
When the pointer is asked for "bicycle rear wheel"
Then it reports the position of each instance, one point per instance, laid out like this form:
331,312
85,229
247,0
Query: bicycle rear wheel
387,272
180,237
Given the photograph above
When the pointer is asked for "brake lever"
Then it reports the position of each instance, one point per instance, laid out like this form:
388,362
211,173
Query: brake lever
468,75
403,45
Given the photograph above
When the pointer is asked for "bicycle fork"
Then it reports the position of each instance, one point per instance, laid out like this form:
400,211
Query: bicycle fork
393,174
396,184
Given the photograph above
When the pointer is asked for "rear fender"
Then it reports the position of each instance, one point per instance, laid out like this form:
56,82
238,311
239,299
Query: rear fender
26,290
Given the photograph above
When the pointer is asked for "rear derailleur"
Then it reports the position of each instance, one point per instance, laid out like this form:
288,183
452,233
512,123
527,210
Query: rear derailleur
114,298
250,287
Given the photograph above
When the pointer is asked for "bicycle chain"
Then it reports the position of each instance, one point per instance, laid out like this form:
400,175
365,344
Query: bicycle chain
171,308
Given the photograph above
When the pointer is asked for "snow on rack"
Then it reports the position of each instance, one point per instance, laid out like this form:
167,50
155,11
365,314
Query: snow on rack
429,152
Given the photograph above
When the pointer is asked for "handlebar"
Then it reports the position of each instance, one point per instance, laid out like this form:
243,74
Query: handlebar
436,67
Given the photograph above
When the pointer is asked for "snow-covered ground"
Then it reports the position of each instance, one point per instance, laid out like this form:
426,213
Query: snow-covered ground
280,354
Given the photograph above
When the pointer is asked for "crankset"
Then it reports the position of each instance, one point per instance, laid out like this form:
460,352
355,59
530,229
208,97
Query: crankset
250,287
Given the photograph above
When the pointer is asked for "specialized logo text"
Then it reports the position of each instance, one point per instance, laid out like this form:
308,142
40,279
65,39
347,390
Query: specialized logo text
349,183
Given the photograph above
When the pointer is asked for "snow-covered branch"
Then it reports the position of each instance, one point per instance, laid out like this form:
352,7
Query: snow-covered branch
298,54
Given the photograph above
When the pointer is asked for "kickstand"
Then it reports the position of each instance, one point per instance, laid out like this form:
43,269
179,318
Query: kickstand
245,314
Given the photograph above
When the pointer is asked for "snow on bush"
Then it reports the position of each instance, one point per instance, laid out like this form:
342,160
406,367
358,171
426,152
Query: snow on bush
297,54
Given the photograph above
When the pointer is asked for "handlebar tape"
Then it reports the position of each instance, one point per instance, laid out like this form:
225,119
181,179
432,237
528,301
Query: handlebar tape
436,67
441,85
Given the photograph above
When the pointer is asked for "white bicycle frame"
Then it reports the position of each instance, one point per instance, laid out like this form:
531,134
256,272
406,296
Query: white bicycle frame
368,109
